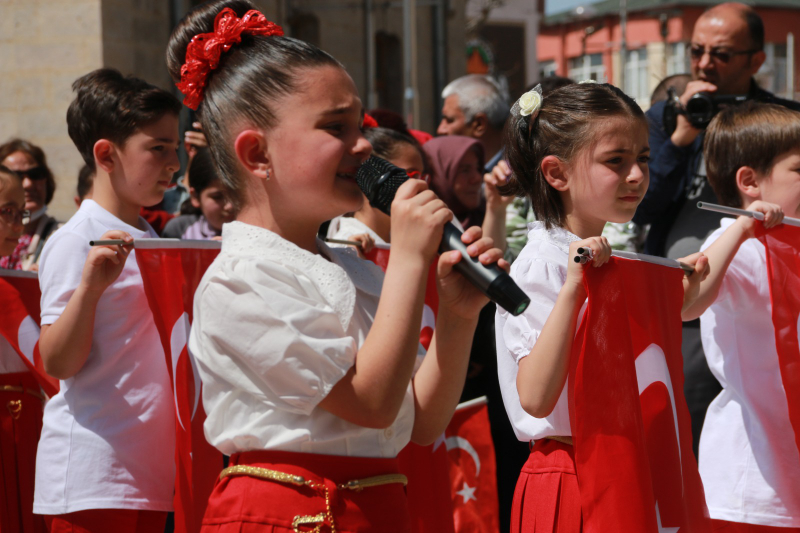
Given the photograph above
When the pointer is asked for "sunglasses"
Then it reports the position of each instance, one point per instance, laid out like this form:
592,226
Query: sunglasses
417,175
33,174
12,215
720,55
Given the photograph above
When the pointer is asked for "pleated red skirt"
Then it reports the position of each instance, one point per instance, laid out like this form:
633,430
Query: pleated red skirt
20,427
244,504
546,499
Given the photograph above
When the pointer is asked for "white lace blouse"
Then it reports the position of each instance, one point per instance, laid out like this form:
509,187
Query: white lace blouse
275,328
540,271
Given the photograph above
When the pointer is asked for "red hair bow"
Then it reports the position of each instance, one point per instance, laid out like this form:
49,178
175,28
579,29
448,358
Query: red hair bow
205,49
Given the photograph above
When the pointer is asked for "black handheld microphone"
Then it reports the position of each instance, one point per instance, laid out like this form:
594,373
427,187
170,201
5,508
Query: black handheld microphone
379,180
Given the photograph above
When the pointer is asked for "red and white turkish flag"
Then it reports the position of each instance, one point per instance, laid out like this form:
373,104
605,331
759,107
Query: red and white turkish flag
630,424
427,467
20,319
171,271
380,256
783,265
473,478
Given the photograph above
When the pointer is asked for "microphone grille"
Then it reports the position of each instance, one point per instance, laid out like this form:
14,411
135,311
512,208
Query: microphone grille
379,181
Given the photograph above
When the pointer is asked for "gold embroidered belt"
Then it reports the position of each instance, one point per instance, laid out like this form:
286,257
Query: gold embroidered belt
562,440
300,481
15,406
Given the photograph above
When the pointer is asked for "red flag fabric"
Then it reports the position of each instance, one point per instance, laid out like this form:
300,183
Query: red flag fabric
472,469
21,319
426,467
783,264
171,271
380,256
630,424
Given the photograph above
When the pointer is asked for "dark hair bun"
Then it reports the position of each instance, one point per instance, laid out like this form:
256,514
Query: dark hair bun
199,20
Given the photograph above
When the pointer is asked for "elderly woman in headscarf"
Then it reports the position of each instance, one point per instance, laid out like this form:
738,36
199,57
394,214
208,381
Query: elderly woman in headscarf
457,178
29,162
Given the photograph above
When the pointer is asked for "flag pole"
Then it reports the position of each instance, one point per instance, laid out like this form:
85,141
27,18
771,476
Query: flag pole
739,212
585,254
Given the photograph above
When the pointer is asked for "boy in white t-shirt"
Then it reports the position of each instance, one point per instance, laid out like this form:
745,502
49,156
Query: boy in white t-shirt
748,458
106,456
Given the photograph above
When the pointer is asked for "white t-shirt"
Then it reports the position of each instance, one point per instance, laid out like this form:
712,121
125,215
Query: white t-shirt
275,328
748,460
345,227
108,438
540,270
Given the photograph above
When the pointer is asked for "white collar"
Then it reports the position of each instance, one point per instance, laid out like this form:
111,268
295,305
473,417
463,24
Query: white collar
559,237
336,280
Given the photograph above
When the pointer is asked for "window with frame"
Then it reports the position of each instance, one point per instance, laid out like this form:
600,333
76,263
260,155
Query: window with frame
772,75
677,58
636,83
587,67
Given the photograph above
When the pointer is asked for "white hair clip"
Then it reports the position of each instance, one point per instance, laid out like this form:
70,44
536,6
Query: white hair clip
588,81
528,105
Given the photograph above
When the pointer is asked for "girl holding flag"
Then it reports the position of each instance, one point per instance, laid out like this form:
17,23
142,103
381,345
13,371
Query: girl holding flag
21,400
309,357
580,154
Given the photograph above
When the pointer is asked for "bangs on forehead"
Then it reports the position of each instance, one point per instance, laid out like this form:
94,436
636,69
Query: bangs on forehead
602,128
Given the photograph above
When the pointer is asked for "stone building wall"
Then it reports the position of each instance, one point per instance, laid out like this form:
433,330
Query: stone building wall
46,44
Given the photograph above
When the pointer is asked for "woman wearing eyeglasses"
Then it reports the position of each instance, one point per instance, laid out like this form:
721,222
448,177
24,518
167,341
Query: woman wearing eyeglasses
29,162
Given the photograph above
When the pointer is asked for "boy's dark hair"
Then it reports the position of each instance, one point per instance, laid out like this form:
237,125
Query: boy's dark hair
202,171
386,142
563,128
246,86
85,181
37,154
751,135
108,105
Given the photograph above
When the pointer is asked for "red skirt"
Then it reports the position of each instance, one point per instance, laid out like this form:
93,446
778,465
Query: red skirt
20,427
245,504
546,499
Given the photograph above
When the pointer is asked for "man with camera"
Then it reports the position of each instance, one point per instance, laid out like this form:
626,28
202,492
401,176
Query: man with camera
726,51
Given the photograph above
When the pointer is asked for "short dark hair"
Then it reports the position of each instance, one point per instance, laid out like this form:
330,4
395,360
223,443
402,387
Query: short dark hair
751,135
202,171
85,181
676,81
385,141
108,105
562,128
37,154
756,27
251,77
551,83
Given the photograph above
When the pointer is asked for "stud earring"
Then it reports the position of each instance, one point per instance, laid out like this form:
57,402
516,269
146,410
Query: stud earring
268,175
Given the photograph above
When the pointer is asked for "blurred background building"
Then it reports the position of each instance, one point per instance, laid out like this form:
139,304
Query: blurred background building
584,43
400,53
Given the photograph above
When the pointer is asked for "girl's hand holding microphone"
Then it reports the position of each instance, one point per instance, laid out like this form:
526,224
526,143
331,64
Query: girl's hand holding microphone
418,218
456,293
105,263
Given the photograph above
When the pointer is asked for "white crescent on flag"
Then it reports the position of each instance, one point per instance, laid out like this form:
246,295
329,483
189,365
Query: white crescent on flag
651,367
27,337
463,444
428,318
177,342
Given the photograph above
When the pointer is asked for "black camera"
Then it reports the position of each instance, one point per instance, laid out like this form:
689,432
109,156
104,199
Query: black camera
699,110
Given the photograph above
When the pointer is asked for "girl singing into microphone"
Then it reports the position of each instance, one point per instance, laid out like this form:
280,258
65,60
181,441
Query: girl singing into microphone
310,358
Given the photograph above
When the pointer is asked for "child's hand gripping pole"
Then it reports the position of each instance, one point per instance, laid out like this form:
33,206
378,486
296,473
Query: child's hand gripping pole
743,212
